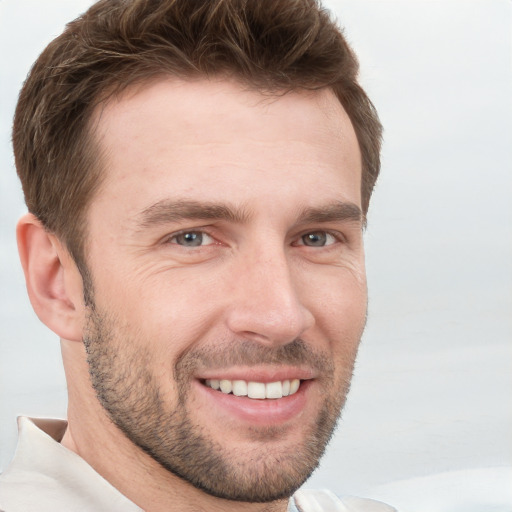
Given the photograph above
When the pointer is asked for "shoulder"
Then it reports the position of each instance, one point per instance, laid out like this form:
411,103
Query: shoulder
326,501
44,476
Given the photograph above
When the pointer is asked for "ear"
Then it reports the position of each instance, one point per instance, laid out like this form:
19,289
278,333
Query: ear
54,284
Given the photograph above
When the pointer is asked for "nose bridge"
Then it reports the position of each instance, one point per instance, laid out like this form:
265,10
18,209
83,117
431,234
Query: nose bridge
267,304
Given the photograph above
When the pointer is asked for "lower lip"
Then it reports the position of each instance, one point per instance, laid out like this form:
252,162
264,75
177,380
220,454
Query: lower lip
258,412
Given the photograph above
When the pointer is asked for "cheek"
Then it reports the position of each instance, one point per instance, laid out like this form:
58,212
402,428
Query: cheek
340,318
340,302
163,300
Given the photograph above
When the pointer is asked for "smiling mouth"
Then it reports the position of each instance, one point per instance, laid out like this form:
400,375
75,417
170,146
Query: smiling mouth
255,390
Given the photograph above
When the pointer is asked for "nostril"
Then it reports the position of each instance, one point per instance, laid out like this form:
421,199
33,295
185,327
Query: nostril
270,327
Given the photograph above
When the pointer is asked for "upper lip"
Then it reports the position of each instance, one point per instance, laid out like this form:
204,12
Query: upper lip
258,374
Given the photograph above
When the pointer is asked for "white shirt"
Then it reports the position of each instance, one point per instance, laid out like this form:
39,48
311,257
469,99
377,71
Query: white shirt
44,476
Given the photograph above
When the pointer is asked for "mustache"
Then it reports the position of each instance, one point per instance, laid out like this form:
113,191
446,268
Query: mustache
250,353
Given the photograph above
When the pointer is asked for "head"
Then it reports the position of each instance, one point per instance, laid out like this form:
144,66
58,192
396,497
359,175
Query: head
207,167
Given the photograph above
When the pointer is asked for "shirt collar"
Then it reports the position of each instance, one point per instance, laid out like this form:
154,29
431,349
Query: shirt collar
45,473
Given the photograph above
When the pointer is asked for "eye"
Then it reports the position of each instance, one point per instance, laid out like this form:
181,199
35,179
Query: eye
191,239
317,239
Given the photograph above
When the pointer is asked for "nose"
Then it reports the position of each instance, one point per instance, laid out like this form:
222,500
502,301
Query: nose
265,304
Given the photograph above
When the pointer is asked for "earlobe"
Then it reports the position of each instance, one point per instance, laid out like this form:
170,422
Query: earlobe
53,281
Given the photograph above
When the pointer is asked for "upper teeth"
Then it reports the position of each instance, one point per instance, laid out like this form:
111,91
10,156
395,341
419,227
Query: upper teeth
255,389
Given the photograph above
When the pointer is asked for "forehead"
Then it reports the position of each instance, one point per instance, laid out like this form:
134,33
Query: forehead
209,97
182,137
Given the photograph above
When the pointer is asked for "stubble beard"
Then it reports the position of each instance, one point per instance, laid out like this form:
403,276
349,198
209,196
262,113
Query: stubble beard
130,393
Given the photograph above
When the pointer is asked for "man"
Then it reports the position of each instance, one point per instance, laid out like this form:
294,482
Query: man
197,176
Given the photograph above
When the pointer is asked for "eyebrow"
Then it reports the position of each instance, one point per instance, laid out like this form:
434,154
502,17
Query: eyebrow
339,211
167,210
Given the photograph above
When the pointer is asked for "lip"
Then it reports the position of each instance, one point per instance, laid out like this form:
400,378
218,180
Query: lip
262,374
267,412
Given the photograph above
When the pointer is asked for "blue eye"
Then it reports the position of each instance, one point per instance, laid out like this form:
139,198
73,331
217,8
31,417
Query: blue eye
191,239
317,239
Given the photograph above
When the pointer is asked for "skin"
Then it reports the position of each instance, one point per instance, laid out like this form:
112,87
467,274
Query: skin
254,176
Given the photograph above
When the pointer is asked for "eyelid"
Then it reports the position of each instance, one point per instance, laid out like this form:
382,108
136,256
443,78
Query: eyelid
337,235
168,239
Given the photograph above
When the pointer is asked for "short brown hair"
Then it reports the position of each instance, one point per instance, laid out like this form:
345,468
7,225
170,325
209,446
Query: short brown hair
272,45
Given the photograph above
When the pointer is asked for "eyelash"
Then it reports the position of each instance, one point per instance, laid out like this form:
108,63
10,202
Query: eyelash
337,237
316,236
200,232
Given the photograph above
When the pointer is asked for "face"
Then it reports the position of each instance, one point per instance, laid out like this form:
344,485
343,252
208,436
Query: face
229,293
